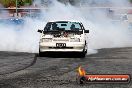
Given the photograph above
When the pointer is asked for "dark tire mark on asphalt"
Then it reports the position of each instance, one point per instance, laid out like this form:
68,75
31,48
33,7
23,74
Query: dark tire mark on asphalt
34,60
32,63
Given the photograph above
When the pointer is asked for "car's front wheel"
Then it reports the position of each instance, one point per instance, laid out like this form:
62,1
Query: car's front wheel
83,53
40,53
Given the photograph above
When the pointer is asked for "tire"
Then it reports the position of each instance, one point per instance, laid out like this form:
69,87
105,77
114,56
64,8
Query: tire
40,53
83,54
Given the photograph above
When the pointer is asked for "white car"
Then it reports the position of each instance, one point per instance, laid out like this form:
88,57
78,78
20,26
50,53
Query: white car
63,36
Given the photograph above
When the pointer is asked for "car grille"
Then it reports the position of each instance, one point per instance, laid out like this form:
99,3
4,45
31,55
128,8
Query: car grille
60,39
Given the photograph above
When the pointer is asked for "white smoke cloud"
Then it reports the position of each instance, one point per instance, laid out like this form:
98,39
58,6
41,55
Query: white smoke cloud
116,3
103,33
20,38
120,2
3,13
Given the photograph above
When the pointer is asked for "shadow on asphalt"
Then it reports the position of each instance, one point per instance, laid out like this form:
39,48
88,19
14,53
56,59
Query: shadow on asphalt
61,55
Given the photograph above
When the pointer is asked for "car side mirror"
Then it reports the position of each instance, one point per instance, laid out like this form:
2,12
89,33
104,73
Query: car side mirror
40,31
86,31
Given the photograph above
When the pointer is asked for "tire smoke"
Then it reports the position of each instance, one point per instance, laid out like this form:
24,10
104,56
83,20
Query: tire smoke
104,31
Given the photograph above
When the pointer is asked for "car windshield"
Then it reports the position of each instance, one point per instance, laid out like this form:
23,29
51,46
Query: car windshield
63,26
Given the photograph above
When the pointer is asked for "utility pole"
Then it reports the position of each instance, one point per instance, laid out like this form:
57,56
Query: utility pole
16,8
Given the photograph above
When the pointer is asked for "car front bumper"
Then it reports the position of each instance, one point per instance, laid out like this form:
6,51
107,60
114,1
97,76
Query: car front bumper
70,47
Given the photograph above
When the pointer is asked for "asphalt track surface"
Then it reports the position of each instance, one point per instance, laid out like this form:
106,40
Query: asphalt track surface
27,70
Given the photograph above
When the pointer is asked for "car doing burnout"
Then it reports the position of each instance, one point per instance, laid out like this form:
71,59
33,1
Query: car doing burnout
63,36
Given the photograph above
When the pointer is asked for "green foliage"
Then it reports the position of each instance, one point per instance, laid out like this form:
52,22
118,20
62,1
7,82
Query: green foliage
130,1
28,1
4,2
7,3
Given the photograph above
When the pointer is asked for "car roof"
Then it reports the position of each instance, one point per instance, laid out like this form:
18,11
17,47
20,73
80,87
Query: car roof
64,22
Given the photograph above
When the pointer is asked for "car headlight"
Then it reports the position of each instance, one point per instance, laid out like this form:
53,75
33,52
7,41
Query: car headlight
74,40
45,40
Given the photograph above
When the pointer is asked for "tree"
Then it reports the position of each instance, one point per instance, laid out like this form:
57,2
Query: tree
5,3
8,3
28,1
130,1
